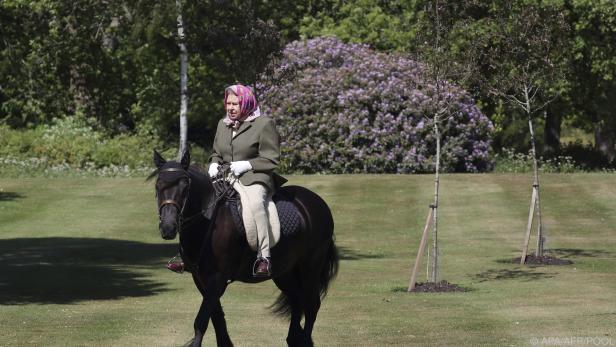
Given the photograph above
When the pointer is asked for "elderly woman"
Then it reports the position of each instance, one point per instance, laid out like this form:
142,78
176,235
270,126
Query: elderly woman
249,141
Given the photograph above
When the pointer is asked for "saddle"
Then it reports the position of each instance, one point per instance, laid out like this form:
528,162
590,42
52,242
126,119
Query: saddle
291,220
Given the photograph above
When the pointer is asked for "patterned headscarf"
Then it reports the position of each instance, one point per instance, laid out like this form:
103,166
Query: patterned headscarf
249,109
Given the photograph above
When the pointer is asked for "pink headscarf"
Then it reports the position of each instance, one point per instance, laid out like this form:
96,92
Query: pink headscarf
249,109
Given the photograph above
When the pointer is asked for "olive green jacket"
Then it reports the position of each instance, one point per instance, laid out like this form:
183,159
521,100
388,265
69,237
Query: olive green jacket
256,141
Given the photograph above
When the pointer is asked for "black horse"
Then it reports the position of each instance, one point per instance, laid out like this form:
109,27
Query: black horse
217,253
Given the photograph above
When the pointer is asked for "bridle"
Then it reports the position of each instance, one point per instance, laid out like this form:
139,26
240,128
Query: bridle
222,190
179,207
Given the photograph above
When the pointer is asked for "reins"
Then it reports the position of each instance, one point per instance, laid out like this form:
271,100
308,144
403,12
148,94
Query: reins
223,190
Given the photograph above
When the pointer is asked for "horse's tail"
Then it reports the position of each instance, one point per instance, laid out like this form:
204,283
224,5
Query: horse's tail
282,305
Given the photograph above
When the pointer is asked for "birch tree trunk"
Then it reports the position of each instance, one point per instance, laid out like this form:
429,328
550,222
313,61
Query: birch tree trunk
183,81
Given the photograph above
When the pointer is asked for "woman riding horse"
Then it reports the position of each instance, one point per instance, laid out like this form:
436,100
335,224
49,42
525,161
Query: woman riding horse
249,142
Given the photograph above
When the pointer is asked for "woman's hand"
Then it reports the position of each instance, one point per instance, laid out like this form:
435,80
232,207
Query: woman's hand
213,170
239,167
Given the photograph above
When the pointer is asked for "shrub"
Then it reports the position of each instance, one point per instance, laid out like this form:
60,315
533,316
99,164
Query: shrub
344,108
587,156
73,147
508,161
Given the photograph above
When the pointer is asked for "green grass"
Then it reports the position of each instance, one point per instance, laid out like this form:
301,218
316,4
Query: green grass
81,264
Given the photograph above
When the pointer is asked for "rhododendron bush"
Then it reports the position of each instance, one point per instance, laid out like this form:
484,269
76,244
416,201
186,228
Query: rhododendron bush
344,108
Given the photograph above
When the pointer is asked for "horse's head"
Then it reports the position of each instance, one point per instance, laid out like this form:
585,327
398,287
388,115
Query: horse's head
172,188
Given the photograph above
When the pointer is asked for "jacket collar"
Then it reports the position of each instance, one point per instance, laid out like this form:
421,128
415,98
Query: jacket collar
243,127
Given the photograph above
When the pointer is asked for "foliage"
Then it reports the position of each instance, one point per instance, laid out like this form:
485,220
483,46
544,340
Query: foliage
118,61
384,25
582,43
594,70
509,161
344,108
587,156
72,146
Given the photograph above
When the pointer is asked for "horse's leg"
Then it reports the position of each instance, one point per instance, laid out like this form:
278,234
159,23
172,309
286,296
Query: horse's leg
201,321
203,318
290,300
310,273
312,303
218,286
211,289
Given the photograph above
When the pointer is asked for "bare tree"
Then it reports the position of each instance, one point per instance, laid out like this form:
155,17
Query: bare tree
183,80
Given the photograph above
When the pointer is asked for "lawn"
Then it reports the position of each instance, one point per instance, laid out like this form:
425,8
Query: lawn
82,264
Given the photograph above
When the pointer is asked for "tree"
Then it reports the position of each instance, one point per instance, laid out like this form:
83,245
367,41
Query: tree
384,25
593,87
183,81
441,71
526,69
116,61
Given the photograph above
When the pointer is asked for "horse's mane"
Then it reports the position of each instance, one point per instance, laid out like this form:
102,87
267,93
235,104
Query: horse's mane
193,170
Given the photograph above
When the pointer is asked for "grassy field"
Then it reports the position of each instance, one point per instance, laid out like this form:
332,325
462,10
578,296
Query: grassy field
81,264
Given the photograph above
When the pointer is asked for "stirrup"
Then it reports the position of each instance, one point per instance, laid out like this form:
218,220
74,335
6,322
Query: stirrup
176,264
262,274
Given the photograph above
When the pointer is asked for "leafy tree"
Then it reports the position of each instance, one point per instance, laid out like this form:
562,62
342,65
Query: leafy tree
594,69
116,62
528,70
384,25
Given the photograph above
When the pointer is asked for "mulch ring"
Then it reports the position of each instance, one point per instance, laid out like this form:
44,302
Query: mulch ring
438,287
543,260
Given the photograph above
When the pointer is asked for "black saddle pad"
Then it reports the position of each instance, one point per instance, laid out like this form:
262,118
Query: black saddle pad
291,220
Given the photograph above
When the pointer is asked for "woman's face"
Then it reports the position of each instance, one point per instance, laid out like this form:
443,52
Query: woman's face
233,106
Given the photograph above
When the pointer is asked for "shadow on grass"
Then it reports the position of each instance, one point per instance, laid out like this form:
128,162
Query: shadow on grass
66,270
507,274
576,252
351,254
10,196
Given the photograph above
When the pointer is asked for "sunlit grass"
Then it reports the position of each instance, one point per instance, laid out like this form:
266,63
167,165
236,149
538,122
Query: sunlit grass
81,264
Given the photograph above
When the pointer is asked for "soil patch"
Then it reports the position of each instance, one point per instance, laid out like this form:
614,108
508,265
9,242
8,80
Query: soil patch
438,287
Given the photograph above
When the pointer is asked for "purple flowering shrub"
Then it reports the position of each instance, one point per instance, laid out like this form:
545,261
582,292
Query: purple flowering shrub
344,108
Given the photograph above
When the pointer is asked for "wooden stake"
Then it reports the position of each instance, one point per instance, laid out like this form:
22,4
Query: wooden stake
540,238
422,246
529,226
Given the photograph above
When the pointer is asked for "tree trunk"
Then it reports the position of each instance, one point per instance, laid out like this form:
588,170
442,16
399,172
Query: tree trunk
77,82
604,140
539,251
551,133
434,265
183,81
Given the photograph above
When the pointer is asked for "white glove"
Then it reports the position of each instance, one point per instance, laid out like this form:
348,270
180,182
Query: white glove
239,167
213,170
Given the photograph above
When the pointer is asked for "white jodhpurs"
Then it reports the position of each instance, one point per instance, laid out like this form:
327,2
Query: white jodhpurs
259,202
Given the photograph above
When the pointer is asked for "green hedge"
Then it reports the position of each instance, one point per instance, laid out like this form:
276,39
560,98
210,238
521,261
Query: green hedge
75,146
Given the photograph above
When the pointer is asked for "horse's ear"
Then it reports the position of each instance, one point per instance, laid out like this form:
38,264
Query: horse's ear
159,161
185,159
